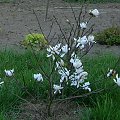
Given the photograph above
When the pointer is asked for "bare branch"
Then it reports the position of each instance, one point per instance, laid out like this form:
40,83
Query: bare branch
47,6
84,95
39,24
60,28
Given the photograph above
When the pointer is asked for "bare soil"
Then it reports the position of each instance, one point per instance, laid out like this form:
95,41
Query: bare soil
17,20
59,111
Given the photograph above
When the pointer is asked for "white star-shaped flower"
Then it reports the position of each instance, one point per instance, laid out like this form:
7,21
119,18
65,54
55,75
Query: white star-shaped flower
64,50
9,72
76,63
82,41
64,74
59,64
94,12
91,39
117,80
111,73
38,77
57,88
83,25
86,86
53,50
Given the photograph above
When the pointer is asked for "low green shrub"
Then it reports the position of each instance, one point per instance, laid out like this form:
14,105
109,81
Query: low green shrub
109,36
34,40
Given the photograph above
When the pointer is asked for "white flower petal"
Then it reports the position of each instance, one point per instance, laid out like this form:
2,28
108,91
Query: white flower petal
83,25
9,72
57,88
94,12
38,77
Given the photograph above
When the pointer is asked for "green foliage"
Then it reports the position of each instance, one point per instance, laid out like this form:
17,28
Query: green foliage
22,82
110,36
35,40
105,108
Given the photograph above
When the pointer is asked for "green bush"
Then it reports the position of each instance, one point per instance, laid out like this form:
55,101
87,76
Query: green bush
34,40
110,36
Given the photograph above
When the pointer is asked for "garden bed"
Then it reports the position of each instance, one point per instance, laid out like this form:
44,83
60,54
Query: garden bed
23,96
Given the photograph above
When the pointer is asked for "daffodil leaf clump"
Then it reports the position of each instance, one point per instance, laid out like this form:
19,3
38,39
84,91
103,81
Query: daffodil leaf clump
35,40
110,36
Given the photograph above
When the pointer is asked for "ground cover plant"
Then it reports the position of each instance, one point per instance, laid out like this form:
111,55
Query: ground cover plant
57,73
109,36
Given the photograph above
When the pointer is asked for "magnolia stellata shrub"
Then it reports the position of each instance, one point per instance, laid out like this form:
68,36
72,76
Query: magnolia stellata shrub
68,64
74,75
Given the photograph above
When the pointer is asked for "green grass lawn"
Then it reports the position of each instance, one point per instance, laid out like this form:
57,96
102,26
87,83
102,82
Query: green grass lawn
104,106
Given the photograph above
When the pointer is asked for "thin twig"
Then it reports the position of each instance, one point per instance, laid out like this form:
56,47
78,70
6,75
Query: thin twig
47,6
89,31
78,21
60,29
39,24
73,12
87,51
52,38
84,95
50,30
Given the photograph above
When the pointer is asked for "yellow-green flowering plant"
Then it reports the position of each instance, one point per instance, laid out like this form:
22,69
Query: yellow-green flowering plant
35,40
